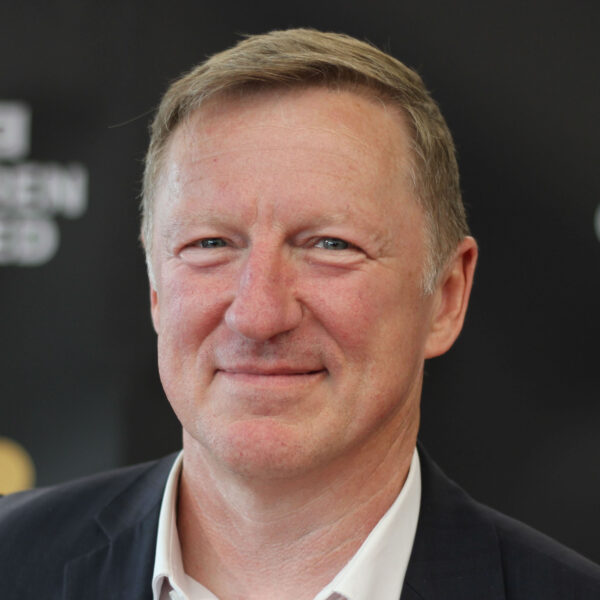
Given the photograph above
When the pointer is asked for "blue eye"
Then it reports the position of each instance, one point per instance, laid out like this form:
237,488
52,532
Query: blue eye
332,244
212,243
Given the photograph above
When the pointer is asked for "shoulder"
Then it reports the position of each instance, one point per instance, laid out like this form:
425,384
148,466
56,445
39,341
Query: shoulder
67,502
42,529
534,563
467,536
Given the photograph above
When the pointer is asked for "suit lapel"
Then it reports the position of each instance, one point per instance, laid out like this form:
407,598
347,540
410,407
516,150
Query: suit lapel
456,555
120,562
122,569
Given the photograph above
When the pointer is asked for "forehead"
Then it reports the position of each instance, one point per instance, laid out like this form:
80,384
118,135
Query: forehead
353,121
311,150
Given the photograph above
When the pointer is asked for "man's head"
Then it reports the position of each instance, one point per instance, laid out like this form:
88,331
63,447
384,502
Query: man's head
301,58
288,244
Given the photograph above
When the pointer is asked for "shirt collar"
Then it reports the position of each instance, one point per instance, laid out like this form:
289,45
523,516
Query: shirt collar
167,561
376,570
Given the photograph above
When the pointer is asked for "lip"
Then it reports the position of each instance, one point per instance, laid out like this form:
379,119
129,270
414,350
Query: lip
270,371
271,376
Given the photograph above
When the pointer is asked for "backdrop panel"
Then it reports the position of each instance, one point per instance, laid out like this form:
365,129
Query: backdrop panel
511,412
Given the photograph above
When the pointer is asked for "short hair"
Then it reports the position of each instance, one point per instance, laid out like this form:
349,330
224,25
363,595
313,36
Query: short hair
306,57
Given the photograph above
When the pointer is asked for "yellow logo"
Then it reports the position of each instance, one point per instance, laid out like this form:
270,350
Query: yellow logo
17,471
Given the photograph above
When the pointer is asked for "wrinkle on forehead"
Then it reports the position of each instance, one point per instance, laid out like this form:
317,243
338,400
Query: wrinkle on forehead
202,147
279,111
204,126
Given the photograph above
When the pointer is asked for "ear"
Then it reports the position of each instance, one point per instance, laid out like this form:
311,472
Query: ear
154,309
451,298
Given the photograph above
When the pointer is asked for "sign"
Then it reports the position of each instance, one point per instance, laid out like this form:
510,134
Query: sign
33,194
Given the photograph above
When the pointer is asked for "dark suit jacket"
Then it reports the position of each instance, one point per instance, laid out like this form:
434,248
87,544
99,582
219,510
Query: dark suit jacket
94,539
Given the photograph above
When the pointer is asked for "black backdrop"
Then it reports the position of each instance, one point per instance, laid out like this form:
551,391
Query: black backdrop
511,412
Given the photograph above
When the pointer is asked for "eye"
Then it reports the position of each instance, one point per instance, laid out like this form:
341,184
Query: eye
206,252
211,243
332,243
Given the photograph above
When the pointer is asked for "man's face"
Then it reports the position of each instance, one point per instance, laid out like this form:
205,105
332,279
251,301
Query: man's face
288,255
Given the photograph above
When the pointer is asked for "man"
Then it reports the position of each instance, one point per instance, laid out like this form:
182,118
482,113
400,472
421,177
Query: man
307,251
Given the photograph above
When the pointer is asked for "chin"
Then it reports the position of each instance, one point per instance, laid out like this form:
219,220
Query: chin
262,449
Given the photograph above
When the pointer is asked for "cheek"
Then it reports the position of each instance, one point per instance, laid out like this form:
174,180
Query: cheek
358,316
188,304
379,332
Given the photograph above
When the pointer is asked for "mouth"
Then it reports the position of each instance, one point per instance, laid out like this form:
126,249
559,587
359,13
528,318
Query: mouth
270,376
249,370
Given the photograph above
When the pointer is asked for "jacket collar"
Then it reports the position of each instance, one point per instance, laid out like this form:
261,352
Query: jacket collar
456,553
119,567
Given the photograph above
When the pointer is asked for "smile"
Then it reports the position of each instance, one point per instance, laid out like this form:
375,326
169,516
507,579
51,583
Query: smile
270,377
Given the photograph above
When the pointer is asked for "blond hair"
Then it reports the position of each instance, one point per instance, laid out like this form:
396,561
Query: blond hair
306,57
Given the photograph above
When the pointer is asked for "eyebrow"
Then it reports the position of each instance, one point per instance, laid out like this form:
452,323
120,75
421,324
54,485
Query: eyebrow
211,215
180,222
215,216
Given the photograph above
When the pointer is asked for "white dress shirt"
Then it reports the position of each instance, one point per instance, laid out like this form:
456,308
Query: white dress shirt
376,570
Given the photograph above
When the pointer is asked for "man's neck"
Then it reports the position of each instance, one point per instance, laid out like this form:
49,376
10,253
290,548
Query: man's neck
283,538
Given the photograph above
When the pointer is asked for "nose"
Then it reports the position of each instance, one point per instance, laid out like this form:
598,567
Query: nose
265,304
